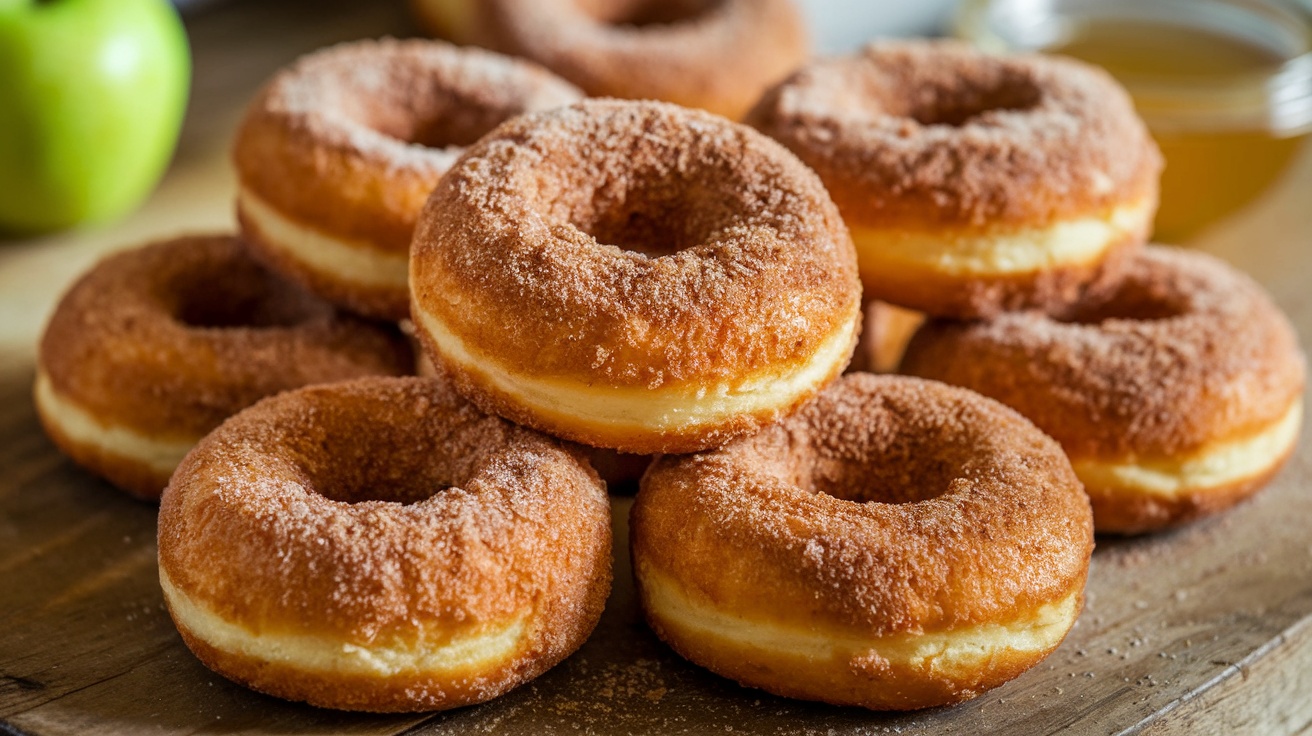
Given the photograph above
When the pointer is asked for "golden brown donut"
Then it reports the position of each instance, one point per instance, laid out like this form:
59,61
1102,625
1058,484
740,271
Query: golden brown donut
338,152
634,275
973,183
1178,395
382,545
719,55
154,347
896,544
620,471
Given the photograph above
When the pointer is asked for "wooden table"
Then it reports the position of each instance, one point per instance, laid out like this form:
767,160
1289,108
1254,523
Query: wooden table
1208,629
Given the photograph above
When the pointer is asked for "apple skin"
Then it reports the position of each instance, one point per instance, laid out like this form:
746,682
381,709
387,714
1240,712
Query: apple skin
92,96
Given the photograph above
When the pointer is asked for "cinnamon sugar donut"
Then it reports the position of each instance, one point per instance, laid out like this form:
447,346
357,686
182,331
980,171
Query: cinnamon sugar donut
634,275
973,183
718,55
381,545
1178,395
154,347
896,544
338,153
620,471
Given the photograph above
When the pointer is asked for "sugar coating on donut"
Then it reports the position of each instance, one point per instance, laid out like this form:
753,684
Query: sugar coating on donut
382,545
155,346
406,104
1176,395
338,153
717,55
895,544
936,134
646,248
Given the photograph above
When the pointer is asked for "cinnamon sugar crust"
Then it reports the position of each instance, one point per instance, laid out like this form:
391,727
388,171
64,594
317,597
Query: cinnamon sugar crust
887,507
172,338
677,279
718,55
642,244
385,514
1176,396
350,140
928,134
1185,352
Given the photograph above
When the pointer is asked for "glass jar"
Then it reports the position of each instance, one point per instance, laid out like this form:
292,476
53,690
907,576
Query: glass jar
1224,85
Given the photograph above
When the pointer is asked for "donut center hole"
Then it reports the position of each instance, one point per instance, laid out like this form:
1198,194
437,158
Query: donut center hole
962,101
894,478
870,449
241,299
875,459
646,13
364,459
370,486
1127,303
659,217
449,125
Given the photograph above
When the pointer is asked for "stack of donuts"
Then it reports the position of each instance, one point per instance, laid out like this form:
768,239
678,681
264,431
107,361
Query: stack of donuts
598,283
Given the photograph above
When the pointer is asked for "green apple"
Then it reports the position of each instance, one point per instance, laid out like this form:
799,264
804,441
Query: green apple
92,94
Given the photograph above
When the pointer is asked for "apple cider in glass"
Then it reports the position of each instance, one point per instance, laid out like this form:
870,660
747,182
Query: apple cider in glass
1224,85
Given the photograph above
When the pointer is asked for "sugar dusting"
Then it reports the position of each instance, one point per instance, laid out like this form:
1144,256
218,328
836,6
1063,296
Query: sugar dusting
939,130
947,509
151,338
753,266
357,95
384,512
1186,350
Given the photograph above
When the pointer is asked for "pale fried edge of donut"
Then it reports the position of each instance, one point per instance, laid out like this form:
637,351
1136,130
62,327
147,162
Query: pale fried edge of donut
129,459
982,297
570,407
1143,494
307,654
892,672
989,252
353,264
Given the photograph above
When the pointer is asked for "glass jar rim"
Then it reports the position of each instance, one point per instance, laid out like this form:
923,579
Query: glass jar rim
1278,100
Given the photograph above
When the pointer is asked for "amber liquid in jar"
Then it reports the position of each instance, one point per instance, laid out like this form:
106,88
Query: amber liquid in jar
1210,172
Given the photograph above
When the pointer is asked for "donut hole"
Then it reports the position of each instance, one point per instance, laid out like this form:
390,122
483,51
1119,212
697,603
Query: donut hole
654,212
436,120
653,228
867,456
244,298
646,13
959,102
897,474
1137,302
359,458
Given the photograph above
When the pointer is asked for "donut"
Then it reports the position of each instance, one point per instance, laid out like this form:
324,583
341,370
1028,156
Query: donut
1176,396
337,154
897,544
154,347
973,183
634,275
381,545
718,55
620,471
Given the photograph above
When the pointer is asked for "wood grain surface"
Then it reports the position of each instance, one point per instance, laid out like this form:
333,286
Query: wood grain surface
1203,630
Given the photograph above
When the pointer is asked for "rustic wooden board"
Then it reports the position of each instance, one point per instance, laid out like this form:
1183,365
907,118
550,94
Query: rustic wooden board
1208,629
